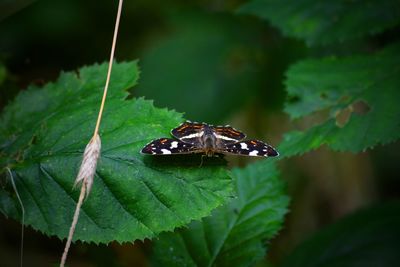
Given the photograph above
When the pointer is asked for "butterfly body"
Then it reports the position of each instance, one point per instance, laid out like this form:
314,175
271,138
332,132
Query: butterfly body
193,137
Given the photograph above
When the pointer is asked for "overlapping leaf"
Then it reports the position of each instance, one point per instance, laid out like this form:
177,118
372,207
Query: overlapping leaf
44,132
324,22
234,234
336,84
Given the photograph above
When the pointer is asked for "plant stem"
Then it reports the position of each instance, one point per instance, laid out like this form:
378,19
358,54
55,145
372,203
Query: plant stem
23,215
95,134
73,225
109,68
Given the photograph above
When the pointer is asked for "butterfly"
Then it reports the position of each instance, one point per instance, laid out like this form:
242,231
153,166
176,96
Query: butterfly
193,137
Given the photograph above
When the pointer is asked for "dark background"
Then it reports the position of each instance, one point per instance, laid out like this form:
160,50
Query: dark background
203,59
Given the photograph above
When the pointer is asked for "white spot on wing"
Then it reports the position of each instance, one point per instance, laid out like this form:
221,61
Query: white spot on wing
244,146
165,151
174,144
192,135
253,153
223,137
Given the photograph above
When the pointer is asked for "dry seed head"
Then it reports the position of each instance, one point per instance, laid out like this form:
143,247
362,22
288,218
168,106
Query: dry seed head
89,162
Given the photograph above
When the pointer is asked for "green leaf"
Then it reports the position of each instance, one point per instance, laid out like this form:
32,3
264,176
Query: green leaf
44,133
35,106
339,85
325,22
235,234
367,238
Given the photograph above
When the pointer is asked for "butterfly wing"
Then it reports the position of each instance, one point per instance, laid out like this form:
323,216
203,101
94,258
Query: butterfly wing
227,134
253,148
189,132
166,146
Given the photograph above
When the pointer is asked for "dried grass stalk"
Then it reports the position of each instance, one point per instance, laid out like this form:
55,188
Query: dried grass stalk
92,150
89,163
85,177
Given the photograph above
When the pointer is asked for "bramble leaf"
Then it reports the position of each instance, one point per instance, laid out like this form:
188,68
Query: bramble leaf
339,85
235,234
43,135
325,22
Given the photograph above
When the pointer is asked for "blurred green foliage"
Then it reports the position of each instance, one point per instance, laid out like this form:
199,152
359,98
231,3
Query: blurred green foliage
214,65
363,107
329,21
366,238
221,62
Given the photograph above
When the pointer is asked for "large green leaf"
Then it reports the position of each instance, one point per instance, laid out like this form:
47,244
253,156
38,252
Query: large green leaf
324,22
367,238
43,135
235,234
339,85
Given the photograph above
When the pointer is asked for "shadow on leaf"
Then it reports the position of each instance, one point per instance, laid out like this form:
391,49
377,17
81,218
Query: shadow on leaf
187,160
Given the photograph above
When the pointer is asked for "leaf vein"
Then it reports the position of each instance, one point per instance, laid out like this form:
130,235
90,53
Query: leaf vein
34,201
140,221
43,169
161,201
